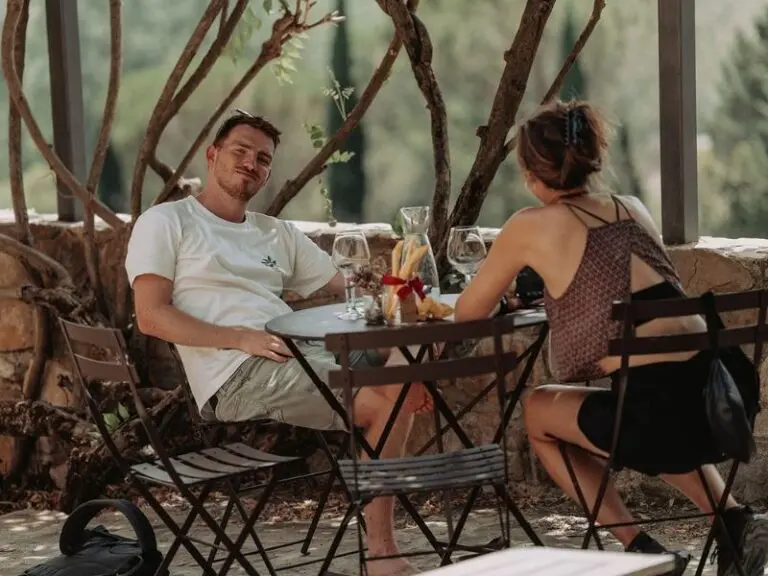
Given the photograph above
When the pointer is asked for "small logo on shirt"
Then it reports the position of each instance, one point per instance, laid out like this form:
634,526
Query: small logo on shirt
268,261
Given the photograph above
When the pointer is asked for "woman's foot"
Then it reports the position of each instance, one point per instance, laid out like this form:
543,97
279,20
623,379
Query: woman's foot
645,544
391,567
749,534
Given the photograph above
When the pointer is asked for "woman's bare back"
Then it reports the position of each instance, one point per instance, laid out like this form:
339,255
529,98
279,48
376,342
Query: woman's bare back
558,254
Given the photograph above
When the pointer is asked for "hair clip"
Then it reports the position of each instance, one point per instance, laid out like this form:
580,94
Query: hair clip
574,124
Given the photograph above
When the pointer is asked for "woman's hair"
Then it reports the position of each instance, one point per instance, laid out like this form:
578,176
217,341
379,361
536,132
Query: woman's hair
563,144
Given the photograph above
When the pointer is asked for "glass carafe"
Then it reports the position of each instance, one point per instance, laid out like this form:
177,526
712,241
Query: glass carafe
415,228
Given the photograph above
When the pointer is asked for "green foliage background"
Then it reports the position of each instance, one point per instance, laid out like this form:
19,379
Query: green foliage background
619,65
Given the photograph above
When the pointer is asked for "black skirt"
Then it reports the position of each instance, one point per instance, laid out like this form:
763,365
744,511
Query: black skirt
664,427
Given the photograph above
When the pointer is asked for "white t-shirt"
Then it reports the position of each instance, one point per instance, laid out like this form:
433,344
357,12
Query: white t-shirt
224,273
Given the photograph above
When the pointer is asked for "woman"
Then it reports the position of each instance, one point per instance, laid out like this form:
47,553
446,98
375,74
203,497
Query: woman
590,251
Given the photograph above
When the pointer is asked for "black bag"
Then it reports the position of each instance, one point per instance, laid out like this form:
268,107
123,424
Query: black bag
529,286
98,552
732,393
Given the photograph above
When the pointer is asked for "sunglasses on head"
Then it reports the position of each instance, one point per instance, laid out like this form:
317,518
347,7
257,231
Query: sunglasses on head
234,118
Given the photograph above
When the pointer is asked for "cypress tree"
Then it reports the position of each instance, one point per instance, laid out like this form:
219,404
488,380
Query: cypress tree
739,132
346,180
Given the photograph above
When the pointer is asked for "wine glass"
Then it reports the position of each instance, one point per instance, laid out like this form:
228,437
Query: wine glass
466,250
350,255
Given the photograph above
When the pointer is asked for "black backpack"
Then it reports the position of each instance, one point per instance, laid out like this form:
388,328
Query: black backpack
98,552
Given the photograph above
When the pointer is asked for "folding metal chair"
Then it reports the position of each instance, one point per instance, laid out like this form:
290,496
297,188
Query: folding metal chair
193,474
717,337
471,468
208,426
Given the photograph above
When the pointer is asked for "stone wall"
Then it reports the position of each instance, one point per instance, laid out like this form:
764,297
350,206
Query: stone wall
719,264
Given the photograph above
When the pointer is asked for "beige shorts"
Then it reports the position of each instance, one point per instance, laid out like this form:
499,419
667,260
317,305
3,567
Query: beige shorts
264,389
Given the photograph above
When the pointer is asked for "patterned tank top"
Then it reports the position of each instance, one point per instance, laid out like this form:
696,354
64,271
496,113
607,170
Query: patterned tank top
580,320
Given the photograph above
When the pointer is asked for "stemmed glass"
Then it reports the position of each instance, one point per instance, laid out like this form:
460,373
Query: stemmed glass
350,255
466,250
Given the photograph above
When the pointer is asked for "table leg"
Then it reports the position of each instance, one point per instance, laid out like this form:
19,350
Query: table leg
329,397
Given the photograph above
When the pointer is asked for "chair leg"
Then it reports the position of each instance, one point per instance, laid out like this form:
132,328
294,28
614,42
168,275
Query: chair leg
591,531
180,534
524,524
235,548
332,477
331,554
719,521
224,522
445,557
260,505
413,513
234,551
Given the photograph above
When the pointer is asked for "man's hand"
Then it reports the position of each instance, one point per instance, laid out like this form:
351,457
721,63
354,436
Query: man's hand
260,343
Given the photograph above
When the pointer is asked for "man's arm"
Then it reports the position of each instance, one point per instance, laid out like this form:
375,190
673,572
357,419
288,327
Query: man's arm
334,289
156,316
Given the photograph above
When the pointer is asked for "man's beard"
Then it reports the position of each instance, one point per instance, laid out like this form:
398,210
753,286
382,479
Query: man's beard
240,189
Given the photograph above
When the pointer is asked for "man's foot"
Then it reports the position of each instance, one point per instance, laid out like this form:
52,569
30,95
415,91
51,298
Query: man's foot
391,567
645,544
749,534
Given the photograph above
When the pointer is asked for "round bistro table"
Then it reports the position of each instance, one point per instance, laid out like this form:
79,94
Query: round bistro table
313,324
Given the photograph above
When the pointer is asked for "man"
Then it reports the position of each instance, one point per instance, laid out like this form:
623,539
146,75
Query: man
207,275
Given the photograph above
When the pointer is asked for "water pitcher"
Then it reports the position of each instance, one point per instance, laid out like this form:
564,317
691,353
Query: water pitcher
415,227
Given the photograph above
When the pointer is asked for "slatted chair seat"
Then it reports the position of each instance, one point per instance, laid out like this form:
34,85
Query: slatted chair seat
210,464
462,469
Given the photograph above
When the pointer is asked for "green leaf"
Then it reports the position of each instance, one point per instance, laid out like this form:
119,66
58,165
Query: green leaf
267,4
111,421
122,411
249,16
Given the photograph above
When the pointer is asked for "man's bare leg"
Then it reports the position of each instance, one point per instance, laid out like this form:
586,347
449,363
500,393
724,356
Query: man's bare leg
372,411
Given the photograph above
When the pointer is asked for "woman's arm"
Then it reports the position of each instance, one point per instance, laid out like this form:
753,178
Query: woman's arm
507,256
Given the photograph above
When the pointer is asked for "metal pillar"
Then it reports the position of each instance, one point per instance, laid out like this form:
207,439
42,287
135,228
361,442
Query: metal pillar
66,99
677,112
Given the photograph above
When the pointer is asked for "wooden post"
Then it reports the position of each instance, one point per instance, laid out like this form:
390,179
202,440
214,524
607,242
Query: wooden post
66,99
677,114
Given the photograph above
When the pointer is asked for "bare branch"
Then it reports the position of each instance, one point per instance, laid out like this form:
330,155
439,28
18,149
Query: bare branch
18,199
419,48
29,418
223,18
100,153
35,259
597,10
210,58
15,91
283,28
62,301
113,87
161,168
519,60
315,166
156,126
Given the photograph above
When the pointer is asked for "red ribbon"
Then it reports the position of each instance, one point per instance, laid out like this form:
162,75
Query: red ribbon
408,286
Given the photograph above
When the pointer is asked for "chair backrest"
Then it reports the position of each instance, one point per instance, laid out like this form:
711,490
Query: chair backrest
116,368
499,362
709,306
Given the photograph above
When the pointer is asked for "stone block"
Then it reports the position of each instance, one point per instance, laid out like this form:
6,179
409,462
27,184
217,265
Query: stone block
17,323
